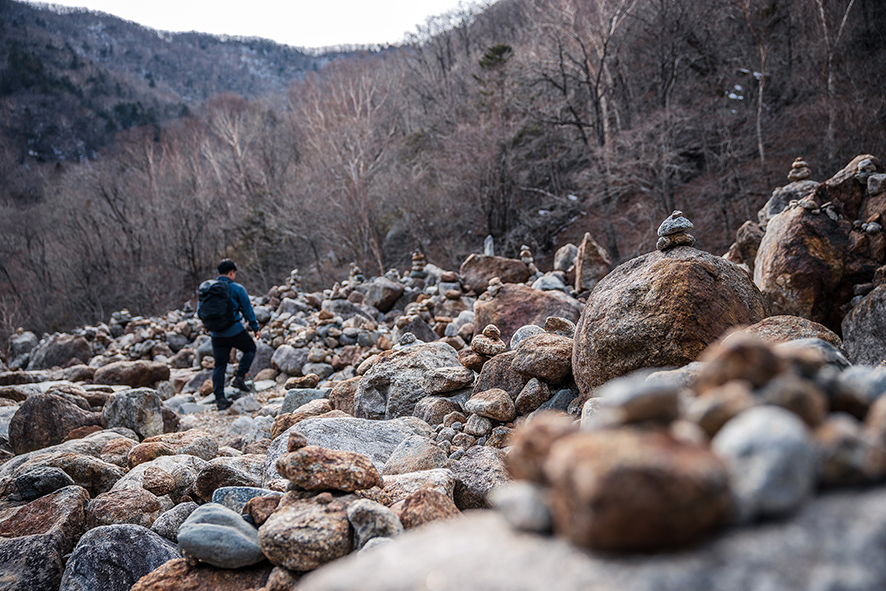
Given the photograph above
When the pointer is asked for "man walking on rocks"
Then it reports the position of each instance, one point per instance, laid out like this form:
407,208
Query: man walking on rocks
224,304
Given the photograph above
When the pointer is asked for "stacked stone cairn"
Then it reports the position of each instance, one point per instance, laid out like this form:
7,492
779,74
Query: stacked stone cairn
673,232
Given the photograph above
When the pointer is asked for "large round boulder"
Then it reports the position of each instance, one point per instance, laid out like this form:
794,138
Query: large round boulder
661,309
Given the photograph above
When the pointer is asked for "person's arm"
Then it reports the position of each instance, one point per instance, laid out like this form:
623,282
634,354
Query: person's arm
246,310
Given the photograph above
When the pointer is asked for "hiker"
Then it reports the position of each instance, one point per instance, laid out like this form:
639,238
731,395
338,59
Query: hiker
222,304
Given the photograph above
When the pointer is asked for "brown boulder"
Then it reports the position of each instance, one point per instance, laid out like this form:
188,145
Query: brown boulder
316,468
658,310
627,490
306,534
126,505
808,263
178,575
342,395
783,328
136,374
426,505
592,263
478,269
46,419
499,373
747,242
518,305
545,356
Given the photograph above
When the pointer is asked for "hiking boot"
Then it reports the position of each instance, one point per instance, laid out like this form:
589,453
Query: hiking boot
240,384
223,405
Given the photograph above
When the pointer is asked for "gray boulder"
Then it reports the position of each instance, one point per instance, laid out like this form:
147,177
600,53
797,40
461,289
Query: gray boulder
218,536
114,558
771,460
19,349
374,439
834,542
138,409
168,523
393,386
290,360
58,352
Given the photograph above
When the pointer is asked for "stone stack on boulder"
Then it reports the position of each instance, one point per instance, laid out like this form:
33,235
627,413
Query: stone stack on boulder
661,309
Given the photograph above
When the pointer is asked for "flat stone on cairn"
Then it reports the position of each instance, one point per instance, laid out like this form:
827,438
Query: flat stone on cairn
800,171
672,232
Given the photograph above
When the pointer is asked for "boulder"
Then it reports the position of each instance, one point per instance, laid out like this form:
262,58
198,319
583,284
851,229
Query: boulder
592,263
494,404
35,538
864,329
478,471
518,305
808,263
375,439
564,258
126,505
245,470
626,490
183,469
114,558
499,373
834,539
747,242
400,486
18,351
169,521
220,537
135,374
546,357
372,520
138,409
381,293
394,383
290,360
478,269
783,328
414,454
426,505
192,442
46,419
658,310
306,534
39,481
771,459
177,575
58,351
316,468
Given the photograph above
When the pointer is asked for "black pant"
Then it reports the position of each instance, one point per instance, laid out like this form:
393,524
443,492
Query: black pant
221,350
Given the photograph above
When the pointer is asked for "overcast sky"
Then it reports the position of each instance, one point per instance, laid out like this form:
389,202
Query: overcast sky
302,23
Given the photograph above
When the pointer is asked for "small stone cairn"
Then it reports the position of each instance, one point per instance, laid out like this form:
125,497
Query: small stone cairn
800,171
672,232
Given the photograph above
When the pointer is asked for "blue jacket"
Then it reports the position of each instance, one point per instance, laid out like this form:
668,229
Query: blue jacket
241,304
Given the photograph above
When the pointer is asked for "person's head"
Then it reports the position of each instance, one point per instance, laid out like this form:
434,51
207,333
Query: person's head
226,267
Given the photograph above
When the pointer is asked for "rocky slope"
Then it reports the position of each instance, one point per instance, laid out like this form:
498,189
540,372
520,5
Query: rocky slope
650,427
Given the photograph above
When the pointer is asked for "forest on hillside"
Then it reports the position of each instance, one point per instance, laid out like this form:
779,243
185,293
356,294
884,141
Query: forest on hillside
529,120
